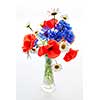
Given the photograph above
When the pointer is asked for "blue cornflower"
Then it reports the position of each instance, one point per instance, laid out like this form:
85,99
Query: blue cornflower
51,34
61,30
35,43
42,36
44,29
59,26
64,31
70,36
59,36
63,23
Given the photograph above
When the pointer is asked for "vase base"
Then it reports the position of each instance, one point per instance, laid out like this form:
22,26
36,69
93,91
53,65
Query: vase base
48,88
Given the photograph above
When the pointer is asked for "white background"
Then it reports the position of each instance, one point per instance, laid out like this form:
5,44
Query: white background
90,47
30,73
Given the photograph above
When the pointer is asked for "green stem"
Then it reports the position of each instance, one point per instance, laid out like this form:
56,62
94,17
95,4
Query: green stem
48,71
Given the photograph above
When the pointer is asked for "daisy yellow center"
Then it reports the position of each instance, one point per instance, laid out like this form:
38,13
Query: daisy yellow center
28,26
64,17
54,13
34,49
56,66
63,46
36,32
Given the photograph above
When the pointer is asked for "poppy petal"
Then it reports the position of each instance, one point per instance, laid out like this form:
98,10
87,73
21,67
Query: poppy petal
28,44
53,54
42,50
50,23
70,55
51,50
55,51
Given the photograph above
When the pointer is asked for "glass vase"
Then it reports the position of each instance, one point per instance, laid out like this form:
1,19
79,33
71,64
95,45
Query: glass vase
48,80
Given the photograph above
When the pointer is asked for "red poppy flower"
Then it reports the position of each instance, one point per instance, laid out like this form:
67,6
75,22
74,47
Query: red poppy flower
51,50
50,23
42,50
70,55
28,42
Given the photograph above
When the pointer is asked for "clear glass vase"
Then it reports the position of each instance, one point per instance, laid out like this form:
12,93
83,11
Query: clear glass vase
48,81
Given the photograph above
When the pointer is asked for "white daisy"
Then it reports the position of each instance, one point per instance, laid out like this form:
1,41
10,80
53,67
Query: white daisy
56,67
53,12
63,46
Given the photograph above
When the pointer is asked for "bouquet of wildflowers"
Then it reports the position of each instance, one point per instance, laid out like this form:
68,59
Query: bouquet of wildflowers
54,37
